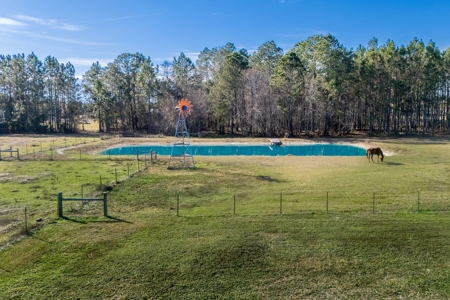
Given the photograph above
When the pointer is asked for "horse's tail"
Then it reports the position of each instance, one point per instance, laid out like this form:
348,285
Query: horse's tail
367,153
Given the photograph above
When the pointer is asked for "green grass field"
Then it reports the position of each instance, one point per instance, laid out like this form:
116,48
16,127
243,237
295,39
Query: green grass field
248,227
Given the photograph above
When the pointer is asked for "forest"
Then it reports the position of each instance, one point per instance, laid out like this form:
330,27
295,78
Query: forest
317,88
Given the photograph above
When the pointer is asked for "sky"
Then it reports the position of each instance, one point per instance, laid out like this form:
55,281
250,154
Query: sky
85,31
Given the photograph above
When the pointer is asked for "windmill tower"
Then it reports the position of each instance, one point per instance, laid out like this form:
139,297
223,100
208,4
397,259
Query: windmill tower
181,156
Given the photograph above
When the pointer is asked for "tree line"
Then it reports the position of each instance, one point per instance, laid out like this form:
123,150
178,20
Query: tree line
38,96
318,87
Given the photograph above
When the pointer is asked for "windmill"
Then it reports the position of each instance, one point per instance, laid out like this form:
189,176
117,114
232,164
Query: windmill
181,156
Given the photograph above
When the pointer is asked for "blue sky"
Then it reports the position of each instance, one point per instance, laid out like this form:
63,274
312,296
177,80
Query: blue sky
83,32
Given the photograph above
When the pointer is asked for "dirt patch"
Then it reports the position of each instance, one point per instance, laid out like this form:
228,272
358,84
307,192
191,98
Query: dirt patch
5,177
8,177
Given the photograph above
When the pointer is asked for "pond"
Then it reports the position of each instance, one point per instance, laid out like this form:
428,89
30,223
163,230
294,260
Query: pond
243,150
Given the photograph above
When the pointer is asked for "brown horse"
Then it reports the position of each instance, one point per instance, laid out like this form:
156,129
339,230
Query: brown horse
371,151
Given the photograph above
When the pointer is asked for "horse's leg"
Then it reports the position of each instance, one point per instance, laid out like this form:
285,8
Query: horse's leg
371,155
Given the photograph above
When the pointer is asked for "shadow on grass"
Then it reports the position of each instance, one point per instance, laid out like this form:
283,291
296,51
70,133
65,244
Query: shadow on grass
34,237
5,270
73,220
393,163
109,219
118,220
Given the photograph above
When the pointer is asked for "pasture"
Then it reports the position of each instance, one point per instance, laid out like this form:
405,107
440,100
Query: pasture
247,227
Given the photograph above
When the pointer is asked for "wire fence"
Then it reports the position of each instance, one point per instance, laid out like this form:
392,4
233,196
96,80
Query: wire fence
18,220
301,202
51,149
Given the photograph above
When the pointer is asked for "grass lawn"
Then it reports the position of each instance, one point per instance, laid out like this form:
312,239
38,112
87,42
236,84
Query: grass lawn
248,227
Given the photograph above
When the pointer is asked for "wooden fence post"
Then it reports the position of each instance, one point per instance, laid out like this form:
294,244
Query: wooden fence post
281,203
373,202
26,221
178,204
418,200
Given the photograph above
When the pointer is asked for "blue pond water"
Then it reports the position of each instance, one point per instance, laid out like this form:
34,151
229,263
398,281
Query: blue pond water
244,149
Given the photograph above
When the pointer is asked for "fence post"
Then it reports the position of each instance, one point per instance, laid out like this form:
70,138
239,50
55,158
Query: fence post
105,204
18,157
418,200
34,154
281,203
10,151
178,204
26,221
60,214
373,202
0,154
